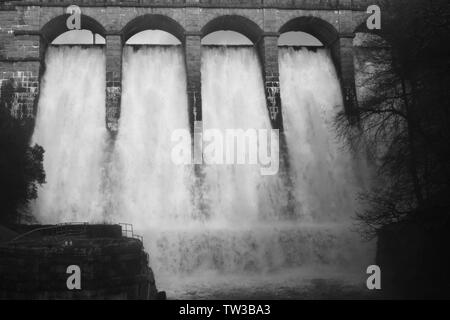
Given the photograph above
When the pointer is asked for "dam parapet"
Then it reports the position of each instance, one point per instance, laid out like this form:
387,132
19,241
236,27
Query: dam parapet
107,262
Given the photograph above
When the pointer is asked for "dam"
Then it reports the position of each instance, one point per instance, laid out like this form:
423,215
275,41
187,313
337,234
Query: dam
104,113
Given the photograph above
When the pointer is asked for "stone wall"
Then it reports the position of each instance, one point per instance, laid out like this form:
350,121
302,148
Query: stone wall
112,266
20,87
27,27
19,64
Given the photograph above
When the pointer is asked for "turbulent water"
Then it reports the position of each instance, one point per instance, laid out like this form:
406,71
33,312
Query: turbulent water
149,190
227,226
326,177
70,125
233,98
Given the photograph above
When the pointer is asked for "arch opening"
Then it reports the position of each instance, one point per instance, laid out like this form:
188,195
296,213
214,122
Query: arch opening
238,24
298,38
316,27
57,27
153,37
152,22
83,37
319,29
228,37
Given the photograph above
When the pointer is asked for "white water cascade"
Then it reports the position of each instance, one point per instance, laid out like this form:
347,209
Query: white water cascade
70,125
233,98
149,190
326,176
244,241
237,238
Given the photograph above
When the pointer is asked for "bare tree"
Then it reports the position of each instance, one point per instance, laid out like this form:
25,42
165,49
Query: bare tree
403,116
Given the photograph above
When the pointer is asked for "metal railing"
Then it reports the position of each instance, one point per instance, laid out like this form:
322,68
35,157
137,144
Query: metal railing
71,229
128,232
58,230
61,230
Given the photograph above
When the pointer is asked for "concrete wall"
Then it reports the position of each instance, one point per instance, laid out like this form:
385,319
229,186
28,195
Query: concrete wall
27,27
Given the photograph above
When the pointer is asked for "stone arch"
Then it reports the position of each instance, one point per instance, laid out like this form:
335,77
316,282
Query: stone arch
57,26
235,23
341,49
153,22
322,30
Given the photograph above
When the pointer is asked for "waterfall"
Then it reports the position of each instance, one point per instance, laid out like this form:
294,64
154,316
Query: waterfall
70,125
151,191
326,177
245,238
233,98
238,234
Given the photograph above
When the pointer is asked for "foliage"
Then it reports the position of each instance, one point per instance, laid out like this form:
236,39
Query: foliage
21,165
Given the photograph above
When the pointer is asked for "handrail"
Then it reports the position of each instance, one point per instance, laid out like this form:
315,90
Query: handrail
63,229
54,227
30,232
128,231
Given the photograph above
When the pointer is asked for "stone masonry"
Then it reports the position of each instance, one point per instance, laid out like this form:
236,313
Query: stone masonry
28,27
